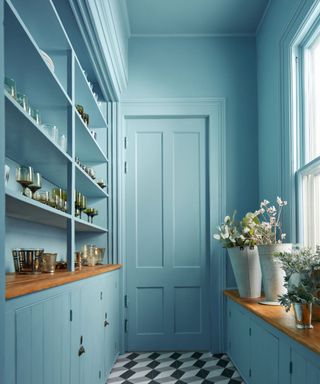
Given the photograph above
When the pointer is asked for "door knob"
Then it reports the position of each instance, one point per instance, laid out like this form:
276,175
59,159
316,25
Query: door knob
81,350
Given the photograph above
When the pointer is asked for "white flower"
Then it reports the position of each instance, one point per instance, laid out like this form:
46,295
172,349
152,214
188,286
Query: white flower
226,219
264,203
246,230
283,236
281,202
216,236
272,220
272,210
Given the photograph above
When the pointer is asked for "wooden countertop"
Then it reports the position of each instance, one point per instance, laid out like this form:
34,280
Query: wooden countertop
19,285
280,319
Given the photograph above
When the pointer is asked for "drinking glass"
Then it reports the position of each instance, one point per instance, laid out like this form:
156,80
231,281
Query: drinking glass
10,86
44,197
23,101
83,204
63,142
52,131
91,212
35,114
36,183
24,176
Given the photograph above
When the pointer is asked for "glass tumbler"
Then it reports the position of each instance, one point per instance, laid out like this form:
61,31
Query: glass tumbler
23,101
52,131
35,114
10,86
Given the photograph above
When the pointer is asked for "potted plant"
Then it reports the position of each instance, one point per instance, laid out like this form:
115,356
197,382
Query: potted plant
266,228
298,266
243,256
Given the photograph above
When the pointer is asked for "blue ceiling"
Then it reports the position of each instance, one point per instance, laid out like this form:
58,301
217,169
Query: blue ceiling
195,17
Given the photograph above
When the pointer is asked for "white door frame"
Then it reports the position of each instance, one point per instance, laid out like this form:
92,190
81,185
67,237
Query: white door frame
213,109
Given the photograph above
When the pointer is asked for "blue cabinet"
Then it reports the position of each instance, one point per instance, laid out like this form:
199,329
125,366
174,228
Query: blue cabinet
64,335
264,355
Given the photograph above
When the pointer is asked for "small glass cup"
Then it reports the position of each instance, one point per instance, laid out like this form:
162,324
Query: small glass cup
35,114
10,86
23,101
80,109
52,131
44,197
63,142
85,118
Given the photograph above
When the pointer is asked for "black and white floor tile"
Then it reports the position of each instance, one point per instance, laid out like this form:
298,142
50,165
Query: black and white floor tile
174,368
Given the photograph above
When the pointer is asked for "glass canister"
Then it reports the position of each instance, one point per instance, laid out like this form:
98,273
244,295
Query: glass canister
89,255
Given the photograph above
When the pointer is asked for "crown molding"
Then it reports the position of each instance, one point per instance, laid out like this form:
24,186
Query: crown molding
105,35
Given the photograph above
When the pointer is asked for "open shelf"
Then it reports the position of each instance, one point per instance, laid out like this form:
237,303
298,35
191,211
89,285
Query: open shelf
84,97
24,208
48,21
87,148
27,144
86,185
26,66
84,226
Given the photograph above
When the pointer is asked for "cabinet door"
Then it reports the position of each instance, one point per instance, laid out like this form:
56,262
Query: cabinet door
109,323
264,356
43,342
239,339
111,306
92,333
303,372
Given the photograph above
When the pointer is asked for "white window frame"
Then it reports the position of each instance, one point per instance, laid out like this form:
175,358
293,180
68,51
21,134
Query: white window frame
303,167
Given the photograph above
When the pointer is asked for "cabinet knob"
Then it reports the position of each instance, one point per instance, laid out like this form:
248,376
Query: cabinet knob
106,323
81,350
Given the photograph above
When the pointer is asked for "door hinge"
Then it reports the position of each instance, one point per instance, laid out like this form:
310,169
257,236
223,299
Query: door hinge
70,315
250,331
101,295
99,374
125,144
125,167
126,301
290,367
250,372
126,326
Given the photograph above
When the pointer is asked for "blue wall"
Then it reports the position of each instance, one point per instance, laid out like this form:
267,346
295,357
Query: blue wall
282,21
268,74
178,67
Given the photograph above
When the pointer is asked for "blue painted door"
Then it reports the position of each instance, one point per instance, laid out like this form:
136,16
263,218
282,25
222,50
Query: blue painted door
166,234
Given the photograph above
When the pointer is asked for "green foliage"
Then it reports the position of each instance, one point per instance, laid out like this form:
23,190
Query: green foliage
298,266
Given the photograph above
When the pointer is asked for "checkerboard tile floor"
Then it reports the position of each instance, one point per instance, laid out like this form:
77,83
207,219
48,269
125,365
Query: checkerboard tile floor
174,367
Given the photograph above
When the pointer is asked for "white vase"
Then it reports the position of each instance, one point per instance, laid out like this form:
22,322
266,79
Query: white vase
246,269
272,273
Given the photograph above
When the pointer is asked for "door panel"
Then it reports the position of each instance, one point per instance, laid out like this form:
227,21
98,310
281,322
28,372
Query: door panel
167,263
42,349
264,356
